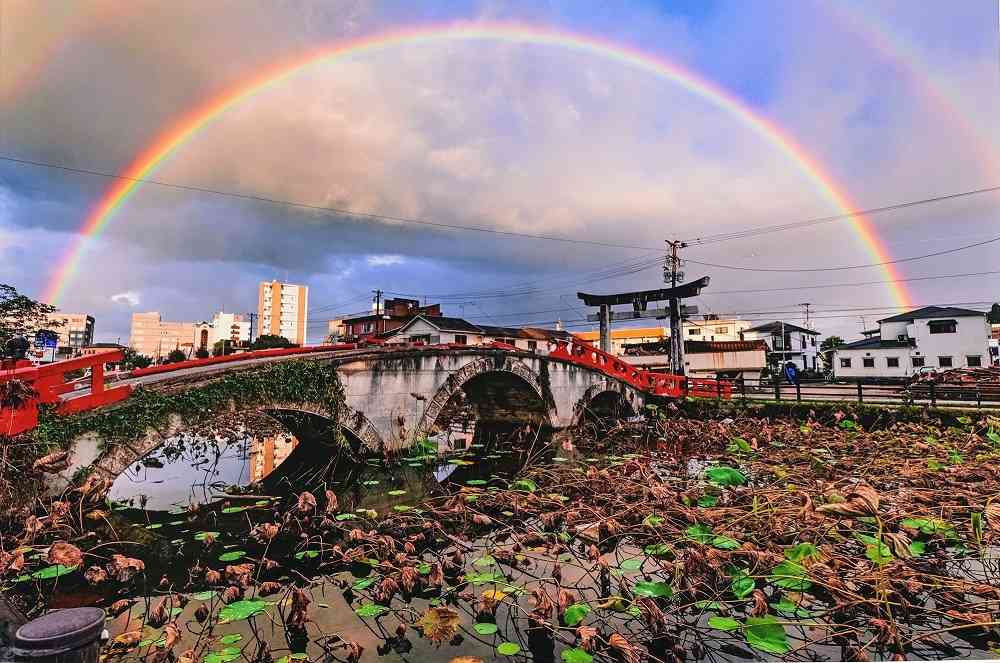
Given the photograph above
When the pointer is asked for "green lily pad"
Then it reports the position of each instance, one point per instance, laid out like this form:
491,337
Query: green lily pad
508,648
526,485
724,623
708,501
204,596
576,655
725,476
766,634
476,482
234,509
743,586
657,550
630,564
485,578
223,655
371,610
344,516
700,533
790,575
232,555
653,520
230,639
575,613
201,536
652,589
396,493
485,628
241,609
54,571
801,551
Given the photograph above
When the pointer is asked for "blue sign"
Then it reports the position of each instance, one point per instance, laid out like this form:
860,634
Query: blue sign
45,338
791,373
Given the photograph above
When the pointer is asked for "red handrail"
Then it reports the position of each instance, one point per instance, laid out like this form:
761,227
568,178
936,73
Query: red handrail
658,384
49,383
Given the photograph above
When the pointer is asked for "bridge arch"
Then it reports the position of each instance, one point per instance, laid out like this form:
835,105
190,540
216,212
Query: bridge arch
500,364
360,433
607,397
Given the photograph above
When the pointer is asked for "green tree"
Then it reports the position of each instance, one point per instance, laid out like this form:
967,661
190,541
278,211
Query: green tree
132,359
21,315
994,314
175,356
267,341
829,343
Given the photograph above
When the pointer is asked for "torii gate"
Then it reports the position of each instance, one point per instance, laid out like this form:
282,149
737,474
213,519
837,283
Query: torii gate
639,301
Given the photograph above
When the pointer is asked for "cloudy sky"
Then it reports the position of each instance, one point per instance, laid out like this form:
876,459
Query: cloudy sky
897,100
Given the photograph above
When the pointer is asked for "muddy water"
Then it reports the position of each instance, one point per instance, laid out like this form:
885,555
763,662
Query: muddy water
150,520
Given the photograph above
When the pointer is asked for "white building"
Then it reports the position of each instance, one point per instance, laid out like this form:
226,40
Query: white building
930,337
787,343
435,329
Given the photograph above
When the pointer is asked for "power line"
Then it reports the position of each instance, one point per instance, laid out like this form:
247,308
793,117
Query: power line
764,230
854,284
845,267
508,233
318,208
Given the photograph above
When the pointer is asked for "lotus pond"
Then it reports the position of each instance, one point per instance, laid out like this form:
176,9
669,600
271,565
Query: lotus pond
668,540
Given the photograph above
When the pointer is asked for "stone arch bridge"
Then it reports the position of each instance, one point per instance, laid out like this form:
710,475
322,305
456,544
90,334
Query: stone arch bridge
395,397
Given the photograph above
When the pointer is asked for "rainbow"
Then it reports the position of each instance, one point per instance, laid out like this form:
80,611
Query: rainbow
191,123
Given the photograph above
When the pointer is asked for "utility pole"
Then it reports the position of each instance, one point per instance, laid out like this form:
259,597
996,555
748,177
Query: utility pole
671,275
378,310
253,323
806,305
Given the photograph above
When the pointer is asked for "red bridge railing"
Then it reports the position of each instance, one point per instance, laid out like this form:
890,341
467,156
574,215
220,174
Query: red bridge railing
45,384
658,384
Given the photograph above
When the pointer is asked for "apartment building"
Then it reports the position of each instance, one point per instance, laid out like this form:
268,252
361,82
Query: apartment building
282,310
787,343
232,327
75,330
154,338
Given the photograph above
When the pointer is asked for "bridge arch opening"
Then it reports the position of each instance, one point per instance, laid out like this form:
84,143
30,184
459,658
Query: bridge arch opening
271,447
487,401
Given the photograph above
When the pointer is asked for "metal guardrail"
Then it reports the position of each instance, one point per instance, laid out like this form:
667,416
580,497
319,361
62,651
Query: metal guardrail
923,393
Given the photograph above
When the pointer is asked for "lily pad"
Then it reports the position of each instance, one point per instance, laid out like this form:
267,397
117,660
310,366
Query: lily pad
576,655
485,628
575,613
725,476
223,655
654,590
790,575
241,609
508,648
230,639
630,564
396,493
53,571
201,536
723,623
232,555
371,610
766,634
526,485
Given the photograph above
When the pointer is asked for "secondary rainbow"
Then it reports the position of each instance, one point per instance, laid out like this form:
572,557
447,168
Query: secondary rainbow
192,122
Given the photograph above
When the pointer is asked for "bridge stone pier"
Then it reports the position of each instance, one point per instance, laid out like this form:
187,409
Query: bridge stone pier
395,400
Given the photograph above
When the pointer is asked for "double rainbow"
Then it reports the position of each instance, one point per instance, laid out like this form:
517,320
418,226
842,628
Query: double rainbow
195,120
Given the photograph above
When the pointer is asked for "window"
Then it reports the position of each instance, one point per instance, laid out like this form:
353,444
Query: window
722,330
944,362
973,360
869,362
942,327
892,362
845,362
812,341
694,331
460,339
917,362
532,346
